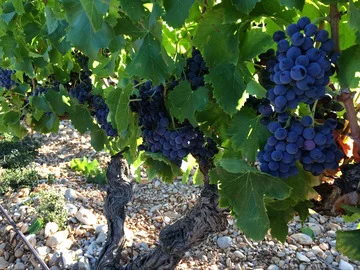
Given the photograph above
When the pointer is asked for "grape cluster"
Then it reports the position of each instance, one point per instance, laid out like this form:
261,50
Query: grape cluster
266,60
5,78
314,147
196,69
157,134
160,134
82,92
101,113
301,71
319,151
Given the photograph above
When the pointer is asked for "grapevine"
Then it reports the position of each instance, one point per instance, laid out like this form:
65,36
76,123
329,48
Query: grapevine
258,98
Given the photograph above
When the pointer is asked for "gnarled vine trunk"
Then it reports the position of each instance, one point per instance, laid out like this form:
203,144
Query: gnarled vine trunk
174,240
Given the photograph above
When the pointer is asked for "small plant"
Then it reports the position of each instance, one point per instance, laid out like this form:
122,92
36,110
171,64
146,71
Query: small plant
17,153
51,178
90,169
18,178
50,207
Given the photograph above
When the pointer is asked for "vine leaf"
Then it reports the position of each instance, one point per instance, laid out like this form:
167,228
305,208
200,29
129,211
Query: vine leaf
218,42
348,243
354,13
247,133
243,187
57,101
279,219
118,102
82,32
134,9
91,11
148,61
299,4
349,64
214,121
184,102
98,138
157,165
254,88
177,11
81,118
245,6
247,49
228,86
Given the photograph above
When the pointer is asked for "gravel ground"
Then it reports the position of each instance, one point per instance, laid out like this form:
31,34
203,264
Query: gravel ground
154,205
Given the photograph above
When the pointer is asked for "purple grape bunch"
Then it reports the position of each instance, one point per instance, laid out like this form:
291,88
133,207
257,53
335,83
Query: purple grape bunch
5,78
159,137
301,71
313,147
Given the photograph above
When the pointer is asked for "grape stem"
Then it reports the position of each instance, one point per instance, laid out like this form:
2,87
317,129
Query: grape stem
346,96
314,109
135,99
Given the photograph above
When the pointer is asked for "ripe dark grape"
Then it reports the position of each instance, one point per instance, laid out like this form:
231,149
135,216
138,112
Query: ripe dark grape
101,114
5,78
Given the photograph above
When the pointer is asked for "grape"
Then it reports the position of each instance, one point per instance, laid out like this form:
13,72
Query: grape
298,72
309,145
313,54
280,134
282,117
302,60
273,165
277,155
292,29
292,148
280,103
308,133
273,126
305,83
285,77
266,110
280,90
322,35
5,78
303,22
293,53
286,64
283,45
290,95
278,35
307,121
314,69
327,46
307,44
310,30
334,57
297,39
292,137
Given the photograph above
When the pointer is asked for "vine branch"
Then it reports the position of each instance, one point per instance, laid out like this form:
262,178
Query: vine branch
346,96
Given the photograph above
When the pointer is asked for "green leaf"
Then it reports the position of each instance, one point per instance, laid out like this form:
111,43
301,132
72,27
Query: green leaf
354,16
349,66
308,231
81,32
218,41
243,188
279,220
40,103
247,133
245,6
157,165
11,117
184,102
254,88
299,4
228,86
118,102
148,61
57,101
81,118
214,121
247,49
98,138
133,8
51,22
19,6
95,17
302,185
177,11
348,243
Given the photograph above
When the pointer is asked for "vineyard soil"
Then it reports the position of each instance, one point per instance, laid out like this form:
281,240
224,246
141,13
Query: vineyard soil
146,216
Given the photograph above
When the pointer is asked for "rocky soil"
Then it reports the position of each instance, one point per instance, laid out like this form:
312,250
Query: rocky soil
155,205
